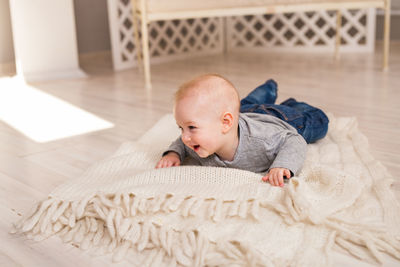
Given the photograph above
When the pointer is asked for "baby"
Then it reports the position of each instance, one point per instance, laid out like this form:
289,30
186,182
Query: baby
216,132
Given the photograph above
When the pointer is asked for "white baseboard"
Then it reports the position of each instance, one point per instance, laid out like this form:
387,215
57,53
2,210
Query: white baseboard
55,75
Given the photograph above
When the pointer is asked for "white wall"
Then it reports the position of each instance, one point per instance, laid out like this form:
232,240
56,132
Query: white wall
91,28
92,25
6,43
45,39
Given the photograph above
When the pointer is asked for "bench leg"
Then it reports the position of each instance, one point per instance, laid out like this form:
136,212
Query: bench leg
146,55
338,28
386,36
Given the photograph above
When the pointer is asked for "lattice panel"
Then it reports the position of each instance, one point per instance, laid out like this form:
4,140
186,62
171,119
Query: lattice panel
302,31
168,39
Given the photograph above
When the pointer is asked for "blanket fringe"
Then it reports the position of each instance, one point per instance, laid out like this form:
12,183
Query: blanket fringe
352,237
112,221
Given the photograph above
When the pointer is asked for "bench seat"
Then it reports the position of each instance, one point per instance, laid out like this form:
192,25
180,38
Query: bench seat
161,9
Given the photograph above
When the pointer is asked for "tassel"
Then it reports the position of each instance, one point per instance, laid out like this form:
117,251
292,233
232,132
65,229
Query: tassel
255,209
187,205
234,209
72,217
192,240
62,219
63,232
150,258
125,202
211,208
390,246
158,259
176,203
158,202
196,207
50,211
218,211
110,223
180,257
154,236
229,250
163,238
133,233
144,237
80,234
87,241
243,209
117,200
117,221
82,205
351,248
123,228
57,227
170,241
135,205
142,208
70,235
31,222
87,223
167,203
99,234
93,225
186,246
105,201
113,244
372,247
202,245
99,210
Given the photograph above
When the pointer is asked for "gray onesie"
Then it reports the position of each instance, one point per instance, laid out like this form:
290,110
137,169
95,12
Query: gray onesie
265,142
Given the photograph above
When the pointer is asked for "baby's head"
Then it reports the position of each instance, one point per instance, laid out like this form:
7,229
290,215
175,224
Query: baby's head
207,110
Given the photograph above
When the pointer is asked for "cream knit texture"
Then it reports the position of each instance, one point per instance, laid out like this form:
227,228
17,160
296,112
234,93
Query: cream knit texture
208,216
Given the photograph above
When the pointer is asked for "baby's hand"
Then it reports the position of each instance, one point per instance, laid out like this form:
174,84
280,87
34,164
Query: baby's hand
275,176
169,160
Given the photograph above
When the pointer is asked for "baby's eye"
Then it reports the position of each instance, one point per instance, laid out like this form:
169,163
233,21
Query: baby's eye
191,127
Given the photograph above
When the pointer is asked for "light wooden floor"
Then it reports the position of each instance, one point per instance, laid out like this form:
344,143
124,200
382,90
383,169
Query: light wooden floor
351,86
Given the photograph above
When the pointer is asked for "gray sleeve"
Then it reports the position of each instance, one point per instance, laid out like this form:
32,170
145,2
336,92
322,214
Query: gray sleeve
290,153
178,147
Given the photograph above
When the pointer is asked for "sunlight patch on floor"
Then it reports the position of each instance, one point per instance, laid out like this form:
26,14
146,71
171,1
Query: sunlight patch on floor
43,117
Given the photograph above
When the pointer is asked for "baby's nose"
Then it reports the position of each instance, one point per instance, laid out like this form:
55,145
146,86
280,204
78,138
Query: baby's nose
185,137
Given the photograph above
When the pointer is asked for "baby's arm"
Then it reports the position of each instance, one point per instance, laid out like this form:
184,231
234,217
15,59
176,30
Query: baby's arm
168,160
275,176
173,155
291,153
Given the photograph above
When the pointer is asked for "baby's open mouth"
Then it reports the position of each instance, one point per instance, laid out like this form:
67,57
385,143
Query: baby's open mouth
196,147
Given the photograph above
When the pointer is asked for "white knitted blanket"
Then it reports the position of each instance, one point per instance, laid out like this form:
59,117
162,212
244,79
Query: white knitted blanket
207,216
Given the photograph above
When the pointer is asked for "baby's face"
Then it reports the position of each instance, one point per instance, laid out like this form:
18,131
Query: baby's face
200,125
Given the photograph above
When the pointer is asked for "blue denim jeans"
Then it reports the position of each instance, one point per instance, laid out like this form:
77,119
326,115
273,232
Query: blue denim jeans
309,121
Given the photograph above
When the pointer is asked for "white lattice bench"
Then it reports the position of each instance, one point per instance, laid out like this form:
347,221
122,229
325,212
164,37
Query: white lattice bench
147,11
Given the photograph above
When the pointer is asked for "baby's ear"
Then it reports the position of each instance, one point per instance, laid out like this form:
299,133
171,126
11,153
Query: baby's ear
227,122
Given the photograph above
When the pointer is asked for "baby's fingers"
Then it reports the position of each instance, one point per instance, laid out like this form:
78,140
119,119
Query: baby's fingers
287,173
163,164
280,180
277,180
159,164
